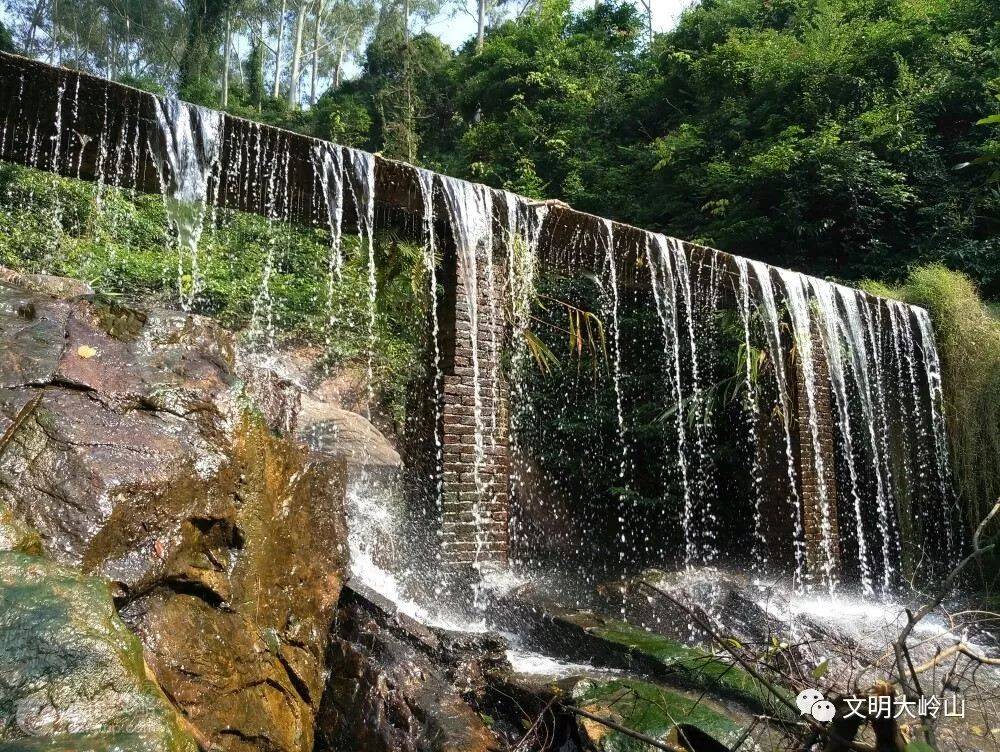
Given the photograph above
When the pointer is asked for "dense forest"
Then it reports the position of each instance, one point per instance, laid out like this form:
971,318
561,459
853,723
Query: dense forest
841,137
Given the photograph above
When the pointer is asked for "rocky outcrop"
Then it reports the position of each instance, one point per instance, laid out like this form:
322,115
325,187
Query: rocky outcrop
87,688
398,686
130,453
349,436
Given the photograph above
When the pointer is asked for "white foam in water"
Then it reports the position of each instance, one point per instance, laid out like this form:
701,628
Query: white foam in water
531,663
374,525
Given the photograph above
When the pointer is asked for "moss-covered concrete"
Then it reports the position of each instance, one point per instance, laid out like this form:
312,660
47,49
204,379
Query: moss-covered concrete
71,674
699,667
647,708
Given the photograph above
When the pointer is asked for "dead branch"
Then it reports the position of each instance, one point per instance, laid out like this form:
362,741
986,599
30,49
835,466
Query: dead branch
904,665
750,669
15,426
624,729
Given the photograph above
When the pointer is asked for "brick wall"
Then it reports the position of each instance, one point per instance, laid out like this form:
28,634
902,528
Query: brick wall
475,513
810,490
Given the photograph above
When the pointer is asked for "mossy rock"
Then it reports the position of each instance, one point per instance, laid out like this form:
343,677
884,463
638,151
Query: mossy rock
699,667
647,708
83,743
71,674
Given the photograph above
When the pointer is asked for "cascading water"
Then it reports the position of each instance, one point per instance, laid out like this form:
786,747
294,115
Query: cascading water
186,153
611,306
662,258
932,365
751,411
768,309
797,301
426,182
868,346
470,214
328,164
360,167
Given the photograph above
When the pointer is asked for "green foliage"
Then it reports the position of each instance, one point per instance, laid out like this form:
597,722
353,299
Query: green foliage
697,667
822,136
119,243
6,40
969,341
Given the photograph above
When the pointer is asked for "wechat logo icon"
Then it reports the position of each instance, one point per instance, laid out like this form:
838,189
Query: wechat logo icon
811,702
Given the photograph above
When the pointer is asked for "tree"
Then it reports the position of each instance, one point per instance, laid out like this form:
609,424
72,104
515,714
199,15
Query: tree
198,78
6,40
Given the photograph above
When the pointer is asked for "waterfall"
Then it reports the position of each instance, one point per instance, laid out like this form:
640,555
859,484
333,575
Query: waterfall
361,182
612,307
831,331
523,222
328,164
470,215
186,153
768,309
662,257
796,298
751,411
932,366
888,433
426,182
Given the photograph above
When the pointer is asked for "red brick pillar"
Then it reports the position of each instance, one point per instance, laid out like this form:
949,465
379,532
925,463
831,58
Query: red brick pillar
475,492
810,491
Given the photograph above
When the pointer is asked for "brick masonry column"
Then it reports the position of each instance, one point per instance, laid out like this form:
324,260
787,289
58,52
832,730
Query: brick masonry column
475,481
808,479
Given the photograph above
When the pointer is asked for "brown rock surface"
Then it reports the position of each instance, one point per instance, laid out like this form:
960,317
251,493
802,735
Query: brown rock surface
134,459
396,685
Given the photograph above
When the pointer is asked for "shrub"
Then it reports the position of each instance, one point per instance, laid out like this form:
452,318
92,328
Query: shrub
968,336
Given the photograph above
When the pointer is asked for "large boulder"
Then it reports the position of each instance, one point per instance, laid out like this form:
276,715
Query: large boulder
398,686
71,674
135,453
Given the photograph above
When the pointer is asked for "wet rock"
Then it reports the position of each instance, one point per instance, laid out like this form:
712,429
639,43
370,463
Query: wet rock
587,636
718,598
279,398
71,675
139,462
397,685
47,284
341,433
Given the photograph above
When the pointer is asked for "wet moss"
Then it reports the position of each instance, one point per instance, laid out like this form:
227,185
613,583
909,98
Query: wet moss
67,662
649,709
699,667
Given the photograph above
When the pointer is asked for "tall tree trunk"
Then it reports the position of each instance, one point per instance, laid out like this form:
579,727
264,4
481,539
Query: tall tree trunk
315,54
411,149
198,67
55,31
340,63
296,73
225,61
276,88
260,68
481,28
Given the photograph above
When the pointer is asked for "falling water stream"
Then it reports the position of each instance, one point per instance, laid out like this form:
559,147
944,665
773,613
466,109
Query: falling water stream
190,142
857,349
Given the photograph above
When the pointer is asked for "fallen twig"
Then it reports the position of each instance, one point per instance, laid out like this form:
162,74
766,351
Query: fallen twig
15,426
624,730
